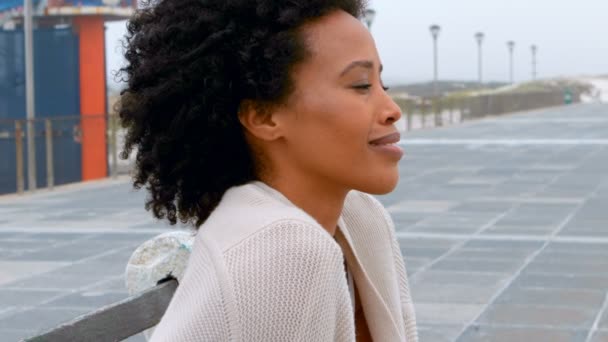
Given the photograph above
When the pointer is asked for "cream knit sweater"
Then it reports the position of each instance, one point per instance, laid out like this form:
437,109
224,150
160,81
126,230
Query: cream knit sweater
263,270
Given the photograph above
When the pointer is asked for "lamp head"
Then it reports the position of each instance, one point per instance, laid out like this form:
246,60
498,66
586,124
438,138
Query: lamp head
435,29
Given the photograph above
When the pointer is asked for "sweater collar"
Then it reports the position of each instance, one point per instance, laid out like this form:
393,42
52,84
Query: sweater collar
372,265
367,247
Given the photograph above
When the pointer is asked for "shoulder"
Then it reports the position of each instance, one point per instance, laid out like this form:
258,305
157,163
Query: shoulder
287,280
286,237
359,204
366,200
249,213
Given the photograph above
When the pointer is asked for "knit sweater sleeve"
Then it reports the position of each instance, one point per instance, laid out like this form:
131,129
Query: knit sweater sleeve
407,306
406,299
288,281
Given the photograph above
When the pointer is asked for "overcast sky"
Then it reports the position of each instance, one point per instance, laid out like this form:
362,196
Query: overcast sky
572,38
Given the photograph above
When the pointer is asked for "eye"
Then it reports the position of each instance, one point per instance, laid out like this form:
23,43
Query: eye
362,87
366,87
383,86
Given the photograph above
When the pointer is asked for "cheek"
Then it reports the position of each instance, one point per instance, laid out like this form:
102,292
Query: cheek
339,116
333,129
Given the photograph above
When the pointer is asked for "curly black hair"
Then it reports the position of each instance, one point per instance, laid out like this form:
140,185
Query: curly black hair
190,65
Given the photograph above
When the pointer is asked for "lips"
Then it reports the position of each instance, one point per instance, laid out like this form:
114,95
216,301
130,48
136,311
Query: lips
392,138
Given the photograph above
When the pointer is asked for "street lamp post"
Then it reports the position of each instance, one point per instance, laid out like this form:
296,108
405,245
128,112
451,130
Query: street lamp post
435,29
534,49
368,17
29,93
479,37
511,46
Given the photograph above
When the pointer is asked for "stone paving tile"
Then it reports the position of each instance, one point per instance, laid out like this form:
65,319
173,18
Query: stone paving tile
462,218
446,313
427,292
23,245
136,338
443,230
553,281
404,223
408,217
6,253
486,333
55,281
6,312
116,285
519,230
592,233
38,319
438,333
13,297
531,315
86,300
121,256
473,279
600,336
575,298
426,242
521,220
125,238
498,245
568,267
470,253
421,207
585,223
476,180
5,235
63,237
603,323
67,252
416,263
579,248
13,270
13,335
477,265
571,257
93,268
422,252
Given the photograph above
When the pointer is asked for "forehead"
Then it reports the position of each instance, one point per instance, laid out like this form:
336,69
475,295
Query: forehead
337,39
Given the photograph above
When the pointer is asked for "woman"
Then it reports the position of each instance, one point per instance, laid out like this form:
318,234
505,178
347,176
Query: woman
264,123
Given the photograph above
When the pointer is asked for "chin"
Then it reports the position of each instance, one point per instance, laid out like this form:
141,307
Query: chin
380,184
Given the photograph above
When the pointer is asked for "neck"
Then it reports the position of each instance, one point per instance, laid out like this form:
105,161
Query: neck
319,200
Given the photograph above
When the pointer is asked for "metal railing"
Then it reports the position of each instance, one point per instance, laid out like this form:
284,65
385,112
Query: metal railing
62,136
58,141
452,109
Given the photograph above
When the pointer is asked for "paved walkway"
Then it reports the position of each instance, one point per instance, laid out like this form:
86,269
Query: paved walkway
503,223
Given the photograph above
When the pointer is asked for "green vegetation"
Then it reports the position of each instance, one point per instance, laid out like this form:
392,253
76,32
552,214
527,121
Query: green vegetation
426,89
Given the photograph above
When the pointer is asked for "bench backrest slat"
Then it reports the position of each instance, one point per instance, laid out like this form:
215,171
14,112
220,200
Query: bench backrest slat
115,322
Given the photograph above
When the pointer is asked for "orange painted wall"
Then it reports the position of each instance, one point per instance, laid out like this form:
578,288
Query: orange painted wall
91,33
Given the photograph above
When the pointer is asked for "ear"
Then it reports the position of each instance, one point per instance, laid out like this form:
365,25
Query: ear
259,121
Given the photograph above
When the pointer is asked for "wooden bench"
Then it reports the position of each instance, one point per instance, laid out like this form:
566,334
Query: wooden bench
115,322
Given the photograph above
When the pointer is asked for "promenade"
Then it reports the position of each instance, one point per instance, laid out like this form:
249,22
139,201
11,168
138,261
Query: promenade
503,223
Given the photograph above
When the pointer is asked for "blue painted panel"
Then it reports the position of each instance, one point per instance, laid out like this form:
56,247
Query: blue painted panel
10,4
57,93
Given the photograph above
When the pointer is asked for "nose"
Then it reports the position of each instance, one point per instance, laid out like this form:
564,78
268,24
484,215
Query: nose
390,112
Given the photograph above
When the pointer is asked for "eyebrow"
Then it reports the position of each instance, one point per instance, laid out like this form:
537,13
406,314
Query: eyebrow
363,64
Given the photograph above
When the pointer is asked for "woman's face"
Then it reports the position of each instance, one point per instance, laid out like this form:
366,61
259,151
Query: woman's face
339,108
